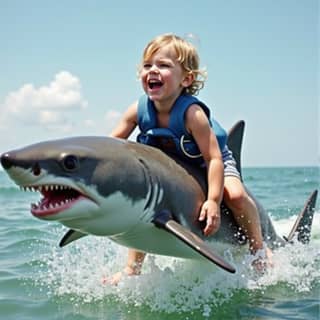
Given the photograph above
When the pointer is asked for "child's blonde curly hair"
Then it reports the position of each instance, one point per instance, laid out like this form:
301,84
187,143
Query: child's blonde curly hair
187,56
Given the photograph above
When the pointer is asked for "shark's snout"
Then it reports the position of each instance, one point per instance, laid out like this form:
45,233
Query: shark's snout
6,161
10,159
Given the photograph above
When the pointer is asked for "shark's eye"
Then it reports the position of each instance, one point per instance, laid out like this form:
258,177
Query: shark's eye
70,162
36,169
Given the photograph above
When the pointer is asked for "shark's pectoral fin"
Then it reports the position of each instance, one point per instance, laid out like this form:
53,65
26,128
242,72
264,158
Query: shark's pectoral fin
303,224
70,236
165,221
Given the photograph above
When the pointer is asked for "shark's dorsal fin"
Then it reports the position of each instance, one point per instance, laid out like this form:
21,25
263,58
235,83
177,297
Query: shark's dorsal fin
70,236
234,142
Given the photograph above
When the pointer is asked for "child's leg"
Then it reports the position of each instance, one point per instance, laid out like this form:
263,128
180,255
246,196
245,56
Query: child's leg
134,262
244,210
133,267
246,214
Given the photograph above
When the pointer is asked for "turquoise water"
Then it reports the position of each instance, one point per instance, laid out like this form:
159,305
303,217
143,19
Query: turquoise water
39,280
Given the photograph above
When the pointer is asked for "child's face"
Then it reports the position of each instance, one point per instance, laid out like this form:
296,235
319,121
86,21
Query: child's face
162,76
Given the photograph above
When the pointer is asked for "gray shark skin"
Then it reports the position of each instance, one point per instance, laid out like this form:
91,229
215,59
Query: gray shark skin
134,194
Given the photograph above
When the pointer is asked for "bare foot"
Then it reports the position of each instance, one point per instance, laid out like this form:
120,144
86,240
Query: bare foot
263,260
116,278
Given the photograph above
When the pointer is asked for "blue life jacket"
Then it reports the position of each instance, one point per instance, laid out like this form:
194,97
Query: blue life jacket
176,133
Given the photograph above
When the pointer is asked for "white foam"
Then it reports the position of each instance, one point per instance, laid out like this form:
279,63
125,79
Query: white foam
171,284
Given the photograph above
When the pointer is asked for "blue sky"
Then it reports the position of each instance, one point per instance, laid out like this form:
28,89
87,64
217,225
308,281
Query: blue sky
69,68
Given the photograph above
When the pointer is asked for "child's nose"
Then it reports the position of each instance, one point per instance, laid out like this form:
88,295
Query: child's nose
154,68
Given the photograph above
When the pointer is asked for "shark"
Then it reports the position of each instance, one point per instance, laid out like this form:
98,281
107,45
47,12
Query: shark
136,195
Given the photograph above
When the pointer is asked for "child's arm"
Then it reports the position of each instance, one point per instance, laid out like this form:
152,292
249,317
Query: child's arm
127,123
198,125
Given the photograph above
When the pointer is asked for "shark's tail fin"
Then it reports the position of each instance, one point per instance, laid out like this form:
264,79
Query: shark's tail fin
234,142
303,224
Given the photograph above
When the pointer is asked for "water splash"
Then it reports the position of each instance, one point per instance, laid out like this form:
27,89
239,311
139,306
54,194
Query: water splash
173,285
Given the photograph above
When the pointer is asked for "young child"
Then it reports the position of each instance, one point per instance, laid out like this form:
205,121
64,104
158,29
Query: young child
170,77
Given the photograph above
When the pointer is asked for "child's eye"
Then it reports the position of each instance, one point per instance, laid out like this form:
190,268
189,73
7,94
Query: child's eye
147,65
164,65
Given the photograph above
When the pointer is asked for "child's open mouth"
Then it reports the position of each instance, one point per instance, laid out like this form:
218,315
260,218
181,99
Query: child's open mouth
154,84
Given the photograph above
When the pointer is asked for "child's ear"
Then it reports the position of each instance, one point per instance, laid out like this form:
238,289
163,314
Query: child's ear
188,79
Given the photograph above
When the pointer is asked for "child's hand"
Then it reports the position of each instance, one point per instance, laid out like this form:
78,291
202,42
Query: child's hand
210,210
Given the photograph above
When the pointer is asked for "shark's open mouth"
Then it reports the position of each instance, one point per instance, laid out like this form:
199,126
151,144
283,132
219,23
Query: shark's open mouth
56,198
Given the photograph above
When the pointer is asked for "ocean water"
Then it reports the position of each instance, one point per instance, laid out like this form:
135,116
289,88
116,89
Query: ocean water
39,280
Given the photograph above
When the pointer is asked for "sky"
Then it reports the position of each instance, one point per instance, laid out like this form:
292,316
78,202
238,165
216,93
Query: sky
69,68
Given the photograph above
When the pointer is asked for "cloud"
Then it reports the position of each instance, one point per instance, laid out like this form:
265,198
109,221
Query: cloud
47,106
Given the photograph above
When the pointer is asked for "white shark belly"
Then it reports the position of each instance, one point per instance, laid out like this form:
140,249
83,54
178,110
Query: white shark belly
146,237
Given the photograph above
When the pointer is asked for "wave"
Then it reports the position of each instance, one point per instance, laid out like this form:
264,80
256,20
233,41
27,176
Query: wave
172,285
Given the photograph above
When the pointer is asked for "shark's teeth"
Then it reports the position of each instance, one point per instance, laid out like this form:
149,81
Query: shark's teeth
56,198
40,188
49,206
